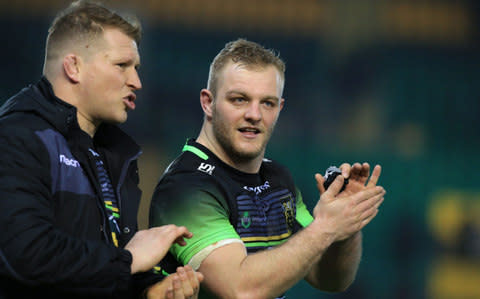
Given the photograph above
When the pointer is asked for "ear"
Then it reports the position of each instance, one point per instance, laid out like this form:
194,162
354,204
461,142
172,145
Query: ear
282,103
206,101
71,67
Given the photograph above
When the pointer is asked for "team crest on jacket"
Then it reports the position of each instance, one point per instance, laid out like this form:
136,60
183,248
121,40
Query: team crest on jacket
246,220
288,211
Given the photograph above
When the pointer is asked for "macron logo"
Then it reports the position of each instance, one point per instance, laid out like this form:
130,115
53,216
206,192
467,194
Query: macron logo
69,162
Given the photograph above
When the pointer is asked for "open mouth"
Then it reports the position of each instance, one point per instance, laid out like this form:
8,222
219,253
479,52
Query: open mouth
249,131
130,101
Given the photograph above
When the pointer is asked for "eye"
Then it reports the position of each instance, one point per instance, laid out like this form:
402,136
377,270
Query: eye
237,100
269,103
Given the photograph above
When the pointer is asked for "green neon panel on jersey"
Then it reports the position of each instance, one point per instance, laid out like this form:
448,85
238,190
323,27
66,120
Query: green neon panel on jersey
206,217
195,199
303,216
196,151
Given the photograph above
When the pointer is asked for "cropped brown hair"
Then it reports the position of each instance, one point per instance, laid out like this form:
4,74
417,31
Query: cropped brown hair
246,53
86,21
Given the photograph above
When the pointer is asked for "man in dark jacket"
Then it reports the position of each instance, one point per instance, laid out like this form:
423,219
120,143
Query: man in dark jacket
69,191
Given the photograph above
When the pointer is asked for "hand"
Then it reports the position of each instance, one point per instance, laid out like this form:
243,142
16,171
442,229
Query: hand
185,283
342,215
358,176
149,246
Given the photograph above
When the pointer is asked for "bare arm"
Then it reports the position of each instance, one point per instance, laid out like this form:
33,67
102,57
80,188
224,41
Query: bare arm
230,273
338,267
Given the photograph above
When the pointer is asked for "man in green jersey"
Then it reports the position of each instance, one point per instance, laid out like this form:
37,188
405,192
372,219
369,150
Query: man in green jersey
253,235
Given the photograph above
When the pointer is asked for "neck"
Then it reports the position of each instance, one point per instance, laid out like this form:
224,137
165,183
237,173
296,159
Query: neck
66,93
86,124
207,139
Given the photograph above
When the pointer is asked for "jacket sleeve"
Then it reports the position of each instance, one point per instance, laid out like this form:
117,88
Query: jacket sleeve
33,251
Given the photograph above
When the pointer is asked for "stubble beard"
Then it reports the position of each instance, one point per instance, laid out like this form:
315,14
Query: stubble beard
227,143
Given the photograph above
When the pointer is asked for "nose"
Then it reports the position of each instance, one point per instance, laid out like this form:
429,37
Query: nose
253,112
133,80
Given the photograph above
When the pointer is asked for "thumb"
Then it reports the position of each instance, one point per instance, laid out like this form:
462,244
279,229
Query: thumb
320,179
336,186
200,276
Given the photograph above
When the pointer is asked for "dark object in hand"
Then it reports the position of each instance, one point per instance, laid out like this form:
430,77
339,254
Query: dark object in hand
330,175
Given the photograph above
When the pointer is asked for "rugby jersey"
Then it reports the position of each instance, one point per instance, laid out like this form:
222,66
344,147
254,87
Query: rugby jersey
218,202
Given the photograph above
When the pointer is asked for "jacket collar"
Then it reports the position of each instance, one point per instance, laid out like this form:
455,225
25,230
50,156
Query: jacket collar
40,99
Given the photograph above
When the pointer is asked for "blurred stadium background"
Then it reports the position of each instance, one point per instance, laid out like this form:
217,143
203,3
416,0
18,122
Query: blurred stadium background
391,82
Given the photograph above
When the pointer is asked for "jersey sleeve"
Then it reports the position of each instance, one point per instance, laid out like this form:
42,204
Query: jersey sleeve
303,215
197,207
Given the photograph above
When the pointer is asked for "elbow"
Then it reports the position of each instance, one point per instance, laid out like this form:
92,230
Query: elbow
337,286
332,283
335,289
251,292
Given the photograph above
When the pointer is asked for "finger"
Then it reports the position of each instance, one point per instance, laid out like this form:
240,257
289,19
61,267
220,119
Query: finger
366,219
200,276
170,231
193,278
375,176
373,201
335,187
177,287
366,207
380,202
170,294
181,233
180,241
188,289
346,170
320,180
365,172
359,173
369,219
367,194
184,232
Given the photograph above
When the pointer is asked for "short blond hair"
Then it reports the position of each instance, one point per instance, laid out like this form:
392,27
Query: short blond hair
246,53
85,21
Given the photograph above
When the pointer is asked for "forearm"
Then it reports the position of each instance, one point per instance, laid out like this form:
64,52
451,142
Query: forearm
337,269
270,273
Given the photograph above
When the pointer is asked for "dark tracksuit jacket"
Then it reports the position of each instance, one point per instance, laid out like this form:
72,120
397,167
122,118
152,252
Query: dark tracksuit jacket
55,240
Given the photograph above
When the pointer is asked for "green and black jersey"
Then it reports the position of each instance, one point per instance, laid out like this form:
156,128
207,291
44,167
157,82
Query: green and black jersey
220,204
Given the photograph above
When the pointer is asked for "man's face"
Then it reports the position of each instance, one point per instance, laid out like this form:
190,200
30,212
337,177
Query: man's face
109,79
245,110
